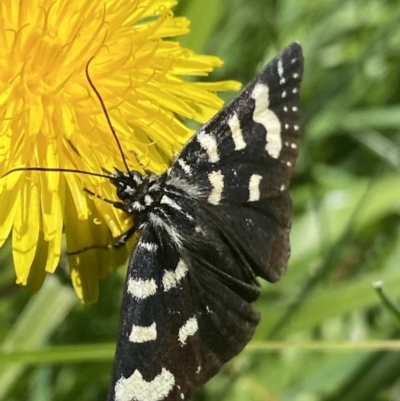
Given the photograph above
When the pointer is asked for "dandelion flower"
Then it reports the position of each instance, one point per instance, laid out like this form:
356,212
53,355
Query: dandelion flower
51,118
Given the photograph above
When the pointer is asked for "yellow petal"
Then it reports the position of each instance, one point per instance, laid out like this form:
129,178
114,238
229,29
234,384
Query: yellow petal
26,230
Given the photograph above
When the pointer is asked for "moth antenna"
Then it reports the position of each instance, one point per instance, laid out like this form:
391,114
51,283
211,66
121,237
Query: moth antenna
107,116
55,169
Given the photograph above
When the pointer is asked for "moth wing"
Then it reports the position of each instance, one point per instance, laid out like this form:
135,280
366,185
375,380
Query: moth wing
180,322
242,162
252,141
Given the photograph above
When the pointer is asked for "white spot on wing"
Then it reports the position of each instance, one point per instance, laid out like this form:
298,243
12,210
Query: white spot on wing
166,200
185,167
237,135
148,246
188,329
172,278
135,388
281,71
254,188
157,221
209,144
142,334
141,289
170,202
263,115
280,68
217,181
179,183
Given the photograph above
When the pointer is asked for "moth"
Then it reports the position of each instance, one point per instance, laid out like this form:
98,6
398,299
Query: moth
217,220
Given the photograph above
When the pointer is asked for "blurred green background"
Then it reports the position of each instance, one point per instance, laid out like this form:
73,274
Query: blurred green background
346,226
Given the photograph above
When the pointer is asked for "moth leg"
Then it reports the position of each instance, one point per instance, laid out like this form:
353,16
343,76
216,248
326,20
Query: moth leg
120,243
124,238
88,248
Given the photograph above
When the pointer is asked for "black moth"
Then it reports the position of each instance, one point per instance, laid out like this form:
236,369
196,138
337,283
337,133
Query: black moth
217,219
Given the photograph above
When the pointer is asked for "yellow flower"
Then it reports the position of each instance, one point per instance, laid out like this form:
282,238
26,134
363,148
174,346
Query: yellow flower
51,118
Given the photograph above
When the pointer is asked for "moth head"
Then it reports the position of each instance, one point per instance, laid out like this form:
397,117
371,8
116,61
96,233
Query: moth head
127,184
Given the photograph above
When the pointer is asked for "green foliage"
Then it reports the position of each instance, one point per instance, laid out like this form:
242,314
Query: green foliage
346,226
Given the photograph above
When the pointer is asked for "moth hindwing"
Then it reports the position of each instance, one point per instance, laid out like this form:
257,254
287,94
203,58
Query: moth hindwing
215,221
